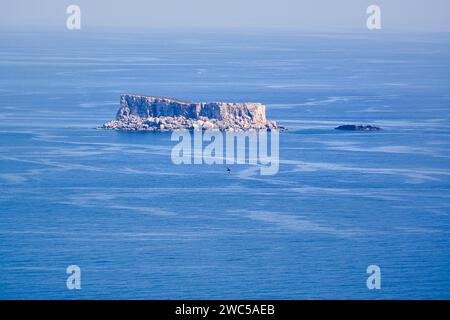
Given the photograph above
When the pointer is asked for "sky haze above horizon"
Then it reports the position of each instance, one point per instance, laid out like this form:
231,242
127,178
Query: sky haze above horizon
308,15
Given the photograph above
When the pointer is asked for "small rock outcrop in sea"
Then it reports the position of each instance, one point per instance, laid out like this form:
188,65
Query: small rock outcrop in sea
148,113
354,127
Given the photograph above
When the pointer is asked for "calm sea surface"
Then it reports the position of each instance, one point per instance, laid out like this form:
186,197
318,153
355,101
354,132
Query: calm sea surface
141,227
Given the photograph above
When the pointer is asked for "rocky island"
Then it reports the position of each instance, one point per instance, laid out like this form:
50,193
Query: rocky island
150,113
360,127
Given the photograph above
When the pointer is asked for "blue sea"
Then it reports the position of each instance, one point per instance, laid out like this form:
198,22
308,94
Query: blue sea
141,227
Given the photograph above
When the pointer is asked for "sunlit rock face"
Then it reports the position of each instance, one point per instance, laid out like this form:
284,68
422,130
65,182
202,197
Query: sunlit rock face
150,113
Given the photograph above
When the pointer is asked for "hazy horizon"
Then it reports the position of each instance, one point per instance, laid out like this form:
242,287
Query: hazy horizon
319,15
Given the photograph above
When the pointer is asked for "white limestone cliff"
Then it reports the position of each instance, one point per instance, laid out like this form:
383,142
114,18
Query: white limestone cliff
150,113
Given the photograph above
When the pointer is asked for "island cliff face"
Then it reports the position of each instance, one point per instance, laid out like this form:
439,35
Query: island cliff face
148,113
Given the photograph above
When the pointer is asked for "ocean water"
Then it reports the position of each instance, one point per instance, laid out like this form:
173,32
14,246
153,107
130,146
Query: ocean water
140,227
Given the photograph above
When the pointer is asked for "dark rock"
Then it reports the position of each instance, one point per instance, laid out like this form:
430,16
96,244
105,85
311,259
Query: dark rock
354,127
